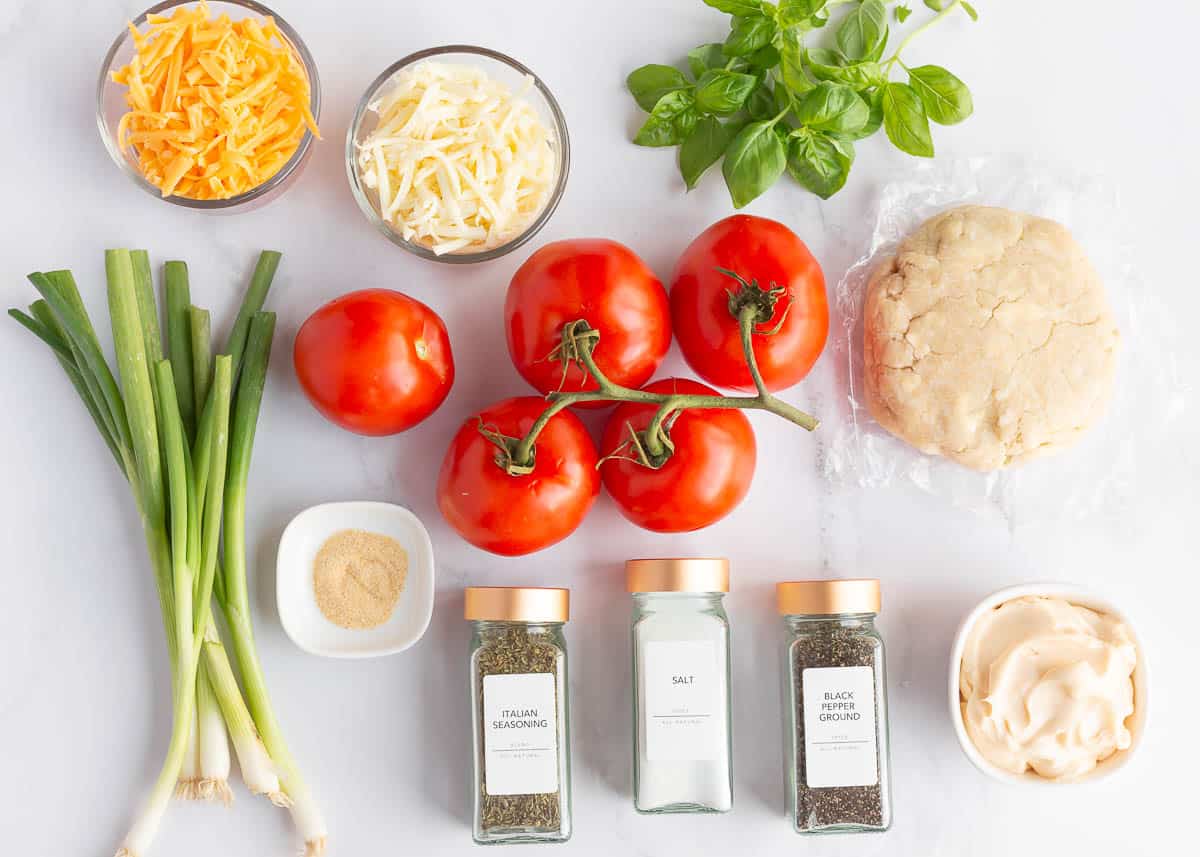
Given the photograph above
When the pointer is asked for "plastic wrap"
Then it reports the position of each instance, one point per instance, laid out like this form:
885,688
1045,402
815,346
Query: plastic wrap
1099,473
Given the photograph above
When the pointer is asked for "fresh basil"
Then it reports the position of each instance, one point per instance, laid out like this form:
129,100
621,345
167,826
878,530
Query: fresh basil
720,91
703,58
805,105
946,98
791,64
874,117
704,147
905,121
748,35
753,162
863,33
671,120
782,100
736,7
819,162
762,103
651,82
764,58
794,13
831,65
833,107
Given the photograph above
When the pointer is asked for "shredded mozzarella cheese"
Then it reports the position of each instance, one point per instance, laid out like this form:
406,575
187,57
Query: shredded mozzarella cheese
459,162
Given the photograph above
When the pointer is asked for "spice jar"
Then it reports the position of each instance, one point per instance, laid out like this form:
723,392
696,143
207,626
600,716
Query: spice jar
681,685
839,774
522,783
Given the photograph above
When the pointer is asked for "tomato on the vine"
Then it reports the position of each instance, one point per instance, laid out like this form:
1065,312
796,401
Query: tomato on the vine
594,279
374,361
518,513
783,290
705,475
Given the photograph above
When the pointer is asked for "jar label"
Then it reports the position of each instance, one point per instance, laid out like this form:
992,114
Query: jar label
684,703
520,734
839,727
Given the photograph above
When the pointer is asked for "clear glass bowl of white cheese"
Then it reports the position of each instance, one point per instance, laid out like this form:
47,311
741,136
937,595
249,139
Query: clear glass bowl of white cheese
458,154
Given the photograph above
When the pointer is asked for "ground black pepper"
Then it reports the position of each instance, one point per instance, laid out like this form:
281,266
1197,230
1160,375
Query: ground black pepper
830,644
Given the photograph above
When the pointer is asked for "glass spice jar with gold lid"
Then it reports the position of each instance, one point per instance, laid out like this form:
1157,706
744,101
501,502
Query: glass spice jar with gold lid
521,733
835,698
681,723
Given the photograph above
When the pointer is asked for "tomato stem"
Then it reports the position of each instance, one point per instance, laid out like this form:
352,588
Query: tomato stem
653,446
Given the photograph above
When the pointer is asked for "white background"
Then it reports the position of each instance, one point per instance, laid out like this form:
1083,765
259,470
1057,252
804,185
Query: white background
84,697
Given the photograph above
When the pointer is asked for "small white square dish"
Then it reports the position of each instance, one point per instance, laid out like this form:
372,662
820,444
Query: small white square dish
302,618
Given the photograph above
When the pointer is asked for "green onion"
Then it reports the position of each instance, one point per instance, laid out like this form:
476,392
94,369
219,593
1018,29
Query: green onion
181,431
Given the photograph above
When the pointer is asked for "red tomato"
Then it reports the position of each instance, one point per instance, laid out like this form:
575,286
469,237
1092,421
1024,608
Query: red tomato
514,515
702,481
759,250
374,361
598,280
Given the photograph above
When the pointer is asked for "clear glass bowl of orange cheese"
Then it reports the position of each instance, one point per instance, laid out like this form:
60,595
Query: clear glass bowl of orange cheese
209,104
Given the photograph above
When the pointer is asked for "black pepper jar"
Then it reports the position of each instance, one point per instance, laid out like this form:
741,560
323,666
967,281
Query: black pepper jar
835,699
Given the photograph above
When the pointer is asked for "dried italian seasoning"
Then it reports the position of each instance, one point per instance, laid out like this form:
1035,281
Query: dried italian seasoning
522,781
837,707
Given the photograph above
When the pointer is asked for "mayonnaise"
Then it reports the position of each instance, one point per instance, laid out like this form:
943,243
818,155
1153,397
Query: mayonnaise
1047,686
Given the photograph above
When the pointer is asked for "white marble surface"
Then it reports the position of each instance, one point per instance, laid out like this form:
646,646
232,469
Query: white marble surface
83,677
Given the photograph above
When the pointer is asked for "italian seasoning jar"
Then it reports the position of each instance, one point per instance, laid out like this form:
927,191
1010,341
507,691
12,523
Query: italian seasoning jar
522,782
839,774
681,760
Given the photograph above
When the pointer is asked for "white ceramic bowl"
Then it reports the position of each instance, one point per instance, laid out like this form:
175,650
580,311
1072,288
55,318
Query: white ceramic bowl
298,611
1074,595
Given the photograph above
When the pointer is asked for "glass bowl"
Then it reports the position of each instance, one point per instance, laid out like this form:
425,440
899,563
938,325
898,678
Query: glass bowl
111,106
500,67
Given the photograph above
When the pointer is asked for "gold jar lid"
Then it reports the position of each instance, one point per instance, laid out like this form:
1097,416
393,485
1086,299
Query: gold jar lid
516,604
677,574
827,597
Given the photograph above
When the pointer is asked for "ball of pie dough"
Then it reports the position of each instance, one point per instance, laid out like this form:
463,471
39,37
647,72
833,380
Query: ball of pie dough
988,338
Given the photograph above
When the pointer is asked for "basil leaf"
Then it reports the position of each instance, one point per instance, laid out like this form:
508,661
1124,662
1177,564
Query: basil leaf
833,107
704,147
946,98
720,91
671,120
753,162
763,103
764,58
703,58
651,82
864,31
905,121
818,162
781,99
831,65
902,13
749,34
736,7
874,117
793,13
791,68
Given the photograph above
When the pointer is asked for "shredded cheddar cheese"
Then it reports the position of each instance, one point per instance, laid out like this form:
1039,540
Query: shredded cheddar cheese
458,160
216,106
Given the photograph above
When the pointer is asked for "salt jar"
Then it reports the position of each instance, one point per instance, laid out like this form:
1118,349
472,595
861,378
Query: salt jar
522,756
682,735
835,700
